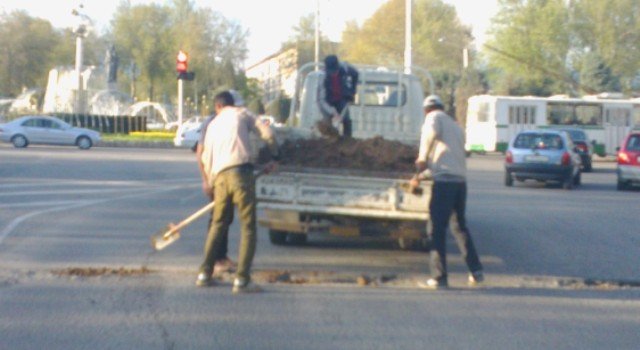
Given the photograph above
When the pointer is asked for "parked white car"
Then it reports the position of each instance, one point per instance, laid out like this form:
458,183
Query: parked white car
188,134
33,129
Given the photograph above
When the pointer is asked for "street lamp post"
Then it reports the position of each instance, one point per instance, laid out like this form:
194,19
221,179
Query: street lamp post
317,36
81,30
407,38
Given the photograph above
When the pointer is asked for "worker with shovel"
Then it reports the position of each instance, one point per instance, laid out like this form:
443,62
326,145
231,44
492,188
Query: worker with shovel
223,263
442,157
226,159
335,91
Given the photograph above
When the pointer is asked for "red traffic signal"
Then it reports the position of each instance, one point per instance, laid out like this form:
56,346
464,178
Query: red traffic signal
181,62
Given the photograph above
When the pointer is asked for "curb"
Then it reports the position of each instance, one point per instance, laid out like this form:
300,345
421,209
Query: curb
137,144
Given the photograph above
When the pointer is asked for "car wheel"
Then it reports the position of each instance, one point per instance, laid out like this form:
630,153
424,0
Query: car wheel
19,141
508,179
621,185
277,237
84,142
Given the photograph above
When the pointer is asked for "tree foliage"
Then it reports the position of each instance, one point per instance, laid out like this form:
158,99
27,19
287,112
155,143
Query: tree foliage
530,46
575,47
29,47
609,32
303,39
438,36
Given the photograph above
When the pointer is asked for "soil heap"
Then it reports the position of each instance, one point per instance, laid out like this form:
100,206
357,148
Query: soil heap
375,154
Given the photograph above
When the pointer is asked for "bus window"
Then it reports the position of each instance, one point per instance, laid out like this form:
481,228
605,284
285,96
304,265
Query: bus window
560,114
588,115
483,112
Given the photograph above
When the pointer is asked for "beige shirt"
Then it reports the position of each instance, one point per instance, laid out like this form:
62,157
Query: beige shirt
227,142
442,147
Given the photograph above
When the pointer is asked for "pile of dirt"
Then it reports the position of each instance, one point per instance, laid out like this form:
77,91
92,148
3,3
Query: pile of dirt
375,154
101,271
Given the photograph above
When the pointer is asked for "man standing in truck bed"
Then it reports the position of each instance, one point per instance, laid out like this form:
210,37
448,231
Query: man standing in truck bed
336,91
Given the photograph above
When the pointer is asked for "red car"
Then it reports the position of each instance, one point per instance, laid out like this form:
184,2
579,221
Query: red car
629,162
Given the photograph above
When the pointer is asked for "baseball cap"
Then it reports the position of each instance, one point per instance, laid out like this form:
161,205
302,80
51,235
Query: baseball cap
432,101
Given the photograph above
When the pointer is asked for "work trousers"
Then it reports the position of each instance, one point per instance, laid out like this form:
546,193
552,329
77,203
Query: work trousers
447,206
233,187
223,249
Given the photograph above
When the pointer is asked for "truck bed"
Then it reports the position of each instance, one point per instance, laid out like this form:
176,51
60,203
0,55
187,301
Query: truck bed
343,192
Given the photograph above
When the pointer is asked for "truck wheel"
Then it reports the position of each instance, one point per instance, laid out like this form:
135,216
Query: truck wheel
277,237
297,238
407,243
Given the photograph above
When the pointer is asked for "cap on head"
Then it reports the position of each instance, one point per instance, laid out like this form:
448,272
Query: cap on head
331,63
238,101
223,99
432,101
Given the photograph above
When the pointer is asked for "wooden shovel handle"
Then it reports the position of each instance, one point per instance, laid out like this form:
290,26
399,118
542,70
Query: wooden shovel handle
190,219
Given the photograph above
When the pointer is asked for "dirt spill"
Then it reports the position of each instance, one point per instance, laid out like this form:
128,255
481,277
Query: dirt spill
101,271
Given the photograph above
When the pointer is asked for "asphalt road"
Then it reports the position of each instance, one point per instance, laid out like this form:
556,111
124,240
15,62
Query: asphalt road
77,271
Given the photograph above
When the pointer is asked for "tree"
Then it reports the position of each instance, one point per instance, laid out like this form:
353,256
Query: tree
151,36
530,46
438,36
142,34
597,75
607,31
303,39
27,44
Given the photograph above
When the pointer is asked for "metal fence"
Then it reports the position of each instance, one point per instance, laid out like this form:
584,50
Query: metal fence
105,124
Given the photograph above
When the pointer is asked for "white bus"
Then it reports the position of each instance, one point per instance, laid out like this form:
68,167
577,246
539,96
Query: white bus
492,121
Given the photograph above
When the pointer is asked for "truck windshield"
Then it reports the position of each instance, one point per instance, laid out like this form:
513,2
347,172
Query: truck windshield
381,94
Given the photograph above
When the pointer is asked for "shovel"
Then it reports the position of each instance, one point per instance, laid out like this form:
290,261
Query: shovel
171,232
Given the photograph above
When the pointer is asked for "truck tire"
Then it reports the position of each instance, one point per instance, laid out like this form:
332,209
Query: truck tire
297,238
277,237
406,243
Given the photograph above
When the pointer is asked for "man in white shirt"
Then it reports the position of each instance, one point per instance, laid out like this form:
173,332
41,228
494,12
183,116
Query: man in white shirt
226,163
442,157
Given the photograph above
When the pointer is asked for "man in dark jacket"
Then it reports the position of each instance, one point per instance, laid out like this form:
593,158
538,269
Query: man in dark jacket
336,91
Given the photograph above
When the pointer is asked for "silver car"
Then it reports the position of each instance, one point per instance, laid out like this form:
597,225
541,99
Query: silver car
28,130
543,155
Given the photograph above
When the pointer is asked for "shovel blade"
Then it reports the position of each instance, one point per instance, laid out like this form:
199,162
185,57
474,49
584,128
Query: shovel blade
162,240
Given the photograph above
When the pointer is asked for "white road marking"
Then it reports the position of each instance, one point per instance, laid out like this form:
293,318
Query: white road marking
17,221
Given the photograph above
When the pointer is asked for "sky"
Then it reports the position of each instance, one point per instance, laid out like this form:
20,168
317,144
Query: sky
266,32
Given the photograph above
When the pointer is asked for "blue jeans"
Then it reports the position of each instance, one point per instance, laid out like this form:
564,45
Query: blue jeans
447,206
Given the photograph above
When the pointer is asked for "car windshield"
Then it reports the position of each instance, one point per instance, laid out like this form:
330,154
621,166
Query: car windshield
577,135
634,143
538,141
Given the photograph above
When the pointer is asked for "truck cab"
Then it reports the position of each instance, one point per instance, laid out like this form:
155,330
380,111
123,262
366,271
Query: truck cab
388,103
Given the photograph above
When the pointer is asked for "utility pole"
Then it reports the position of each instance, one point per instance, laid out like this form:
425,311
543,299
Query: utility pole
407,37
317,52
81,30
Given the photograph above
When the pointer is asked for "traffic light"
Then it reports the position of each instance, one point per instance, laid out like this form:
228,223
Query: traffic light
181,62
189,76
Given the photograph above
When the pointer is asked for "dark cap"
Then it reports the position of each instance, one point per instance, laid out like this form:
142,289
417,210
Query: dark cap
331,63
